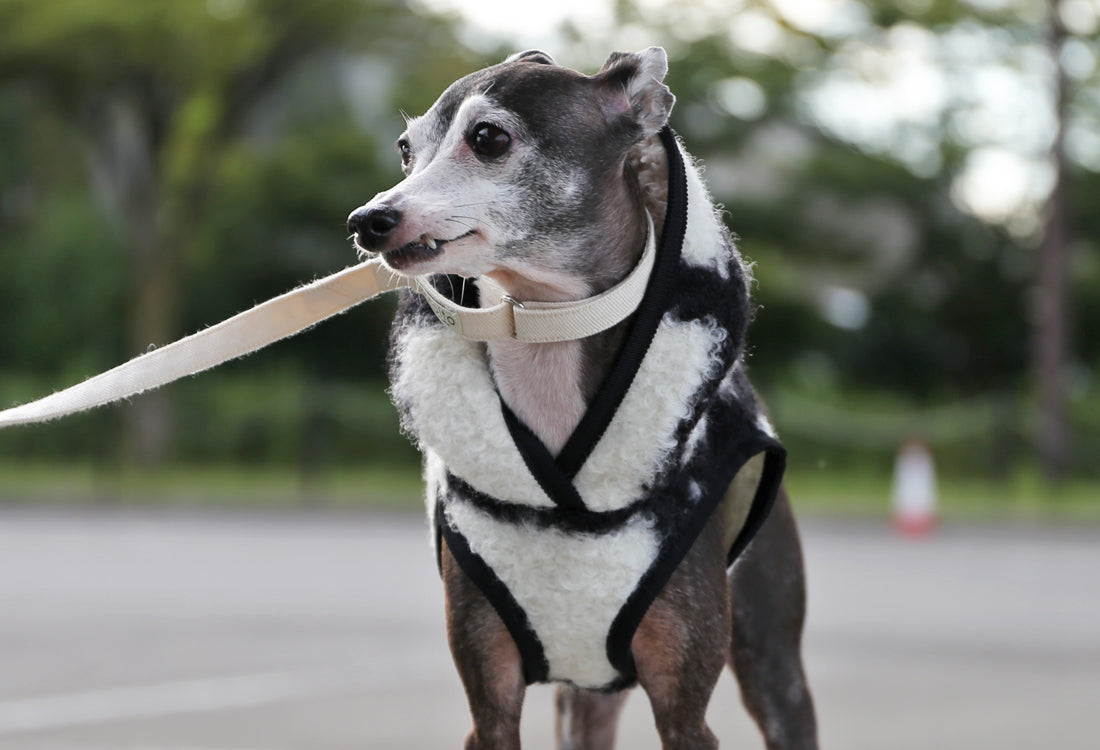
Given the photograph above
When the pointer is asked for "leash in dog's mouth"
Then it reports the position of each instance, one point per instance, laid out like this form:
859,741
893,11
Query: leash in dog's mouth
308,305
423,248
295,311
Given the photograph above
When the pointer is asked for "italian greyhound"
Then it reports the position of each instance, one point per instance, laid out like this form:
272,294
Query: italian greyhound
532,183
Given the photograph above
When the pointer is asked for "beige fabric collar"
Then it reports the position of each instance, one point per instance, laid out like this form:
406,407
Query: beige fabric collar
293,312
545,322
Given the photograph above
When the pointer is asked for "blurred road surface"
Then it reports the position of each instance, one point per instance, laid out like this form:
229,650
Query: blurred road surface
221,631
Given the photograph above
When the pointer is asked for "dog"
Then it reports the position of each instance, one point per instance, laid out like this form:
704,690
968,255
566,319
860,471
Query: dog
589,492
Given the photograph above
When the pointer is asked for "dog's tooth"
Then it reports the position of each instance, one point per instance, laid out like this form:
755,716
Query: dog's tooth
428,240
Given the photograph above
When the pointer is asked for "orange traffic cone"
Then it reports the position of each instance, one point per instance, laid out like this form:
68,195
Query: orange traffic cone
914,495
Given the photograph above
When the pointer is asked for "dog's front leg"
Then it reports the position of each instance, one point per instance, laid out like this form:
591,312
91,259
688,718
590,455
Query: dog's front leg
681,644
488,661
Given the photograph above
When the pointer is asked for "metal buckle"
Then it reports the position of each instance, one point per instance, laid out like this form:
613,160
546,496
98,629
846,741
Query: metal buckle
512,301
515,303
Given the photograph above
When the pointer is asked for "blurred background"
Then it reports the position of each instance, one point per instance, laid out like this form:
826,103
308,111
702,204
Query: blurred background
915,181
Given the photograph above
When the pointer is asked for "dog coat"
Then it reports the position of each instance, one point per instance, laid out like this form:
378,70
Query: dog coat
572,549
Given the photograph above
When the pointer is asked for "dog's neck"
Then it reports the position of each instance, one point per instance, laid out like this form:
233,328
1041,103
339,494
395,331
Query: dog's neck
549,386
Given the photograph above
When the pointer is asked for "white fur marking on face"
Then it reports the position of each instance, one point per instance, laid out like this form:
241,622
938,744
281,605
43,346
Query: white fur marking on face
571,187
447,194
571,586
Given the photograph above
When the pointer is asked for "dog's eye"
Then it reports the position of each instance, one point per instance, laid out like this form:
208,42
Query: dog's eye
488,140
406,151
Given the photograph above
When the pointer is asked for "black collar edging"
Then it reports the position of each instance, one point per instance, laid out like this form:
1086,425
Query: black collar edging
556,475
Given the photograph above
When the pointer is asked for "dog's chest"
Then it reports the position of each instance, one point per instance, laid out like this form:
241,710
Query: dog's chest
542,385
451,404
490,497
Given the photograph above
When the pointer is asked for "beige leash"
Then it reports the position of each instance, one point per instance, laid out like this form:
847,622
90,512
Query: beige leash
293,312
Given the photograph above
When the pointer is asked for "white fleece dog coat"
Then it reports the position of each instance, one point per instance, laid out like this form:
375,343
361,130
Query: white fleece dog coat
572,549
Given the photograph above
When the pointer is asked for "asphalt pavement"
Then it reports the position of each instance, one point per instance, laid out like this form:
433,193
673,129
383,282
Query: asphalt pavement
124,630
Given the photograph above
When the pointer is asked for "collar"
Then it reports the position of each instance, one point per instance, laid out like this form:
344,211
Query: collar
542,322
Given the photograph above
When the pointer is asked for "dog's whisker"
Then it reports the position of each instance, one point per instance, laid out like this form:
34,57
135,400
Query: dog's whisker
472,219
464,224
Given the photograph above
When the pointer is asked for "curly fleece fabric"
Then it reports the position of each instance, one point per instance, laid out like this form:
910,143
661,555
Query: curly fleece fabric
572,549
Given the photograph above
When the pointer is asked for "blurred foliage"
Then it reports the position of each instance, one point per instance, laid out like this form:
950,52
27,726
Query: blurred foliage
881,294
165,166
233,136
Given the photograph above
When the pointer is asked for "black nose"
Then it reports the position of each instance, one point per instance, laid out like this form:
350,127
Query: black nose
372,226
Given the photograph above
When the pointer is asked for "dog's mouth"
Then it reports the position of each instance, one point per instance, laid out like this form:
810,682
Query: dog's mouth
425,247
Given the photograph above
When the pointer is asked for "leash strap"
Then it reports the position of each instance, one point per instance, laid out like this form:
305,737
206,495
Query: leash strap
242,334
293,312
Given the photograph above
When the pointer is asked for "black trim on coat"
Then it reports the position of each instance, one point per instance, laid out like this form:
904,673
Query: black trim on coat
536,668
678,543
557,486
644,324
568,520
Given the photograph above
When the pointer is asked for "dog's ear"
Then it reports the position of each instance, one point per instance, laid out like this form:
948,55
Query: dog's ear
632,85
531,55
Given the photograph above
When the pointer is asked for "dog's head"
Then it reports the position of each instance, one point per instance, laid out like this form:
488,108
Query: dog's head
517,171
